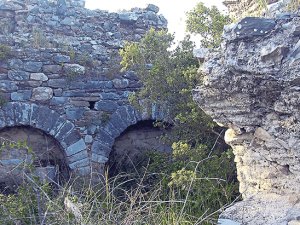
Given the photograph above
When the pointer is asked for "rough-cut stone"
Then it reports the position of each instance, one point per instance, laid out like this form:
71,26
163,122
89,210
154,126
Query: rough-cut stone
252,86
76,147
18,75
52,68
107,106
38,77
42,93
6,85
21,95
152,8
73,70
33,66
120,83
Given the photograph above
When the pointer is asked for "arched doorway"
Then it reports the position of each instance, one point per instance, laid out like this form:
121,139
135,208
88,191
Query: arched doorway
131,149
27,153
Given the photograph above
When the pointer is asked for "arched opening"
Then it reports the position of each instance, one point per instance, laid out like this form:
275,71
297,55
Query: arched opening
27,152
131,148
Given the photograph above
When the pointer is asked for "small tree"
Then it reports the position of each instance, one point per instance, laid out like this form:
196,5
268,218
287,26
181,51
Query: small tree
208,23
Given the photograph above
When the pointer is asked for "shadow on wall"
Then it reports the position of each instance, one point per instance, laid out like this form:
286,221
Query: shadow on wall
27,152
130,149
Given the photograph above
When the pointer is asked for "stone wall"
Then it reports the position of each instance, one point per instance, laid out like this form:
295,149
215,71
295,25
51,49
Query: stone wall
251,85
59,73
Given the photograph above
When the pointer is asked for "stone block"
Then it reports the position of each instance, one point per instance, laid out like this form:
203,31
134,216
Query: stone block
76,147
52,69
120,83
105,138
15,64
61,58
128,17
38,77
109,96
112,130
118,122
6,85
152,8
59,100
77,93
22,113
57,83
78,156
74,113
18,75
64,130
42,93
101,148
9,114
71,137
79,164
73,70
80,103
33,67
57,126
99,158
127,119
107,106
21,95
92,85
43,118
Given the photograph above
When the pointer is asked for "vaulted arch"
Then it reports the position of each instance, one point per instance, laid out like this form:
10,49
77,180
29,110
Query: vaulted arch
120,120
15,114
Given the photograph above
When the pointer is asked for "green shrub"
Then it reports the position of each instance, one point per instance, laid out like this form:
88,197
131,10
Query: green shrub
5,52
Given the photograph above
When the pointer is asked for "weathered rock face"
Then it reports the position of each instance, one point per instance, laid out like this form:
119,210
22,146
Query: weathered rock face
62,74
269,8
251,85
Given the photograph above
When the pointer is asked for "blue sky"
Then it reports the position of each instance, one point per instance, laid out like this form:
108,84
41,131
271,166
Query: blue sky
174,11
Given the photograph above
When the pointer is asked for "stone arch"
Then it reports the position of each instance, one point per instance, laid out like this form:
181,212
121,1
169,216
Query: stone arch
15,114
120,120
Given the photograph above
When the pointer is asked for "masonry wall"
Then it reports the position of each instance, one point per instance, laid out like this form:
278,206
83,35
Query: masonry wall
59,73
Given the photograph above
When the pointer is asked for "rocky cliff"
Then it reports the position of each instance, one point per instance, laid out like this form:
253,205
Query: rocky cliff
252,86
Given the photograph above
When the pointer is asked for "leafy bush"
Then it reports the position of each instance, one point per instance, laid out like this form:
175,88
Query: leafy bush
208,23
200,170
109,203
5,52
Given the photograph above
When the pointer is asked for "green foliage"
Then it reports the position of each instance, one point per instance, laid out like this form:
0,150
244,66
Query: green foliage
25,206
208,23
39,39
105,204
293,5
105,117
199,171
8,144
208,183
5,52
168,78
3,100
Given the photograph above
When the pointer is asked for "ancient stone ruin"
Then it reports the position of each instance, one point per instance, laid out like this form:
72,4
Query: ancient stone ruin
60,77
251,85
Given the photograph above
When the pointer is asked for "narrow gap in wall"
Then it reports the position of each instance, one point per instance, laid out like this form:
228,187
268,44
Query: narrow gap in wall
92,104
